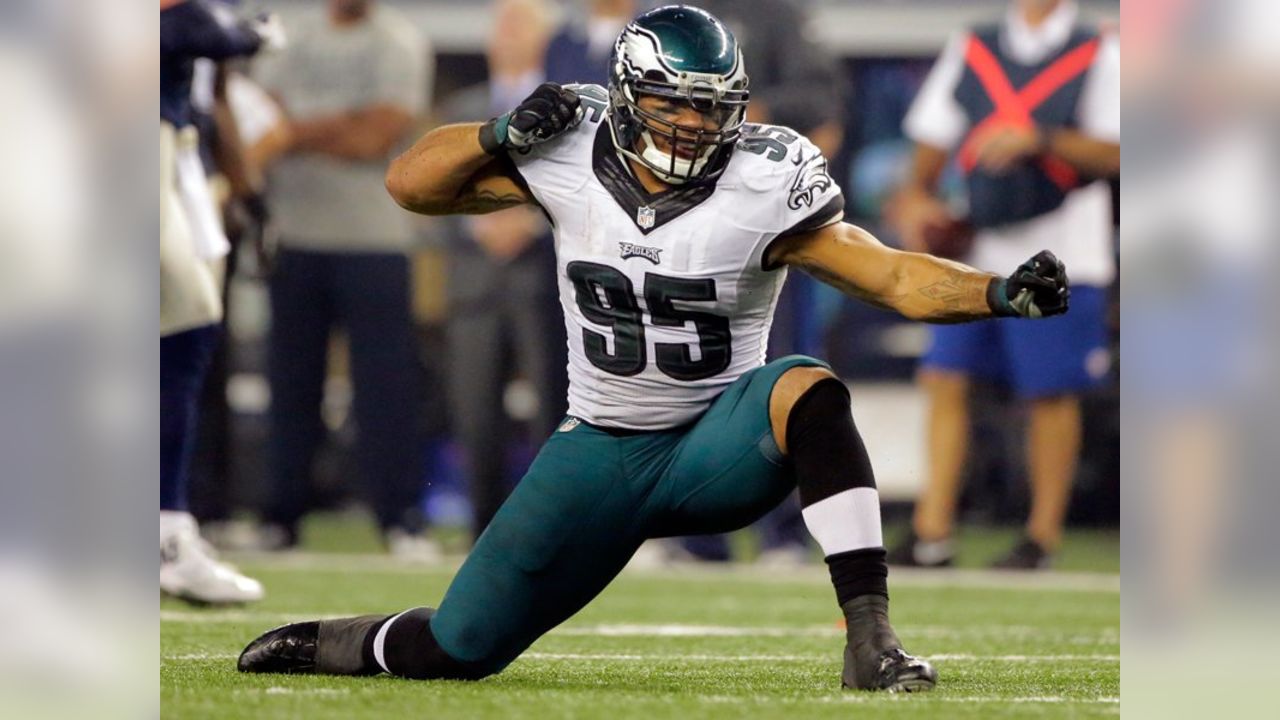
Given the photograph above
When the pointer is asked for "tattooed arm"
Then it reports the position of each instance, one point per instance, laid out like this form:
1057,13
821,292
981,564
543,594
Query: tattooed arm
447,173
919,286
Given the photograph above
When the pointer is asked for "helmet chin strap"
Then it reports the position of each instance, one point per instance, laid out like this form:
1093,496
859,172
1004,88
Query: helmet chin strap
685,170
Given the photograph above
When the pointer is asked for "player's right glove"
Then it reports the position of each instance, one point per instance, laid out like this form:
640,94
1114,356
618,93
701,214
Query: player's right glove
547,112
1038,288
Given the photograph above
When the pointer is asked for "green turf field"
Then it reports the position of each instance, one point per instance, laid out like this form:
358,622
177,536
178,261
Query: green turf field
735,643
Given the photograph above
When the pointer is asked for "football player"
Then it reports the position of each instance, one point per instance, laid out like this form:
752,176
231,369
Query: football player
675,223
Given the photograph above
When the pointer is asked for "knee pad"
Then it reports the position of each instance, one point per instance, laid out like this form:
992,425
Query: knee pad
824,445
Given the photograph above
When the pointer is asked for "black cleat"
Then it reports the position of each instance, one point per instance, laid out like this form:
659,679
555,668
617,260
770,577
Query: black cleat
873,656
897,672
326,647
286,649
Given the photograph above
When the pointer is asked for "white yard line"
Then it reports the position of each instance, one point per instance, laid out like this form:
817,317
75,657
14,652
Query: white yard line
265,619
198,657
903,577
277,690
201,617
704,657
939,697
1029,699
696,657
636,630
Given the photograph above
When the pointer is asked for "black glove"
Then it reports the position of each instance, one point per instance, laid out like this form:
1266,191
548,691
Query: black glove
1038,288
547,112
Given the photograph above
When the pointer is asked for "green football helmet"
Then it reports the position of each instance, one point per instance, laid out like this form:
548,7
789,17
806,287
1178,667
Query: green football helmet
683,53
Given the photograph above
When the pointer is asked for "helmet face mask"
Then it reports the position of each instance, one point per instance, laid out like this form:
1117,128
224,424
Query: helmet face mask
686,56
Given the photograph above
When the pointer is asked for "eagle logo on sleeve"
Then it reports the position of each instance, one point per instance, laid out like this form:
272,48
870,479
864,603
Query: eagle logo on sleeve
811,179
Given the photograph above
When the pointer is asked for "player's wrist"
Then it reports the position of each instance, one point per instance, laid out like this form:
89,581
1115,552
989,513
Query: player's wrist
493,134
998,298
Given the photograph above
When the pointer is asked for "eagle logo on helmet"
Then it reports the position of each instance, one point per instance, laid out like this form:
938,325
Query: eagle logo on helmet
685,54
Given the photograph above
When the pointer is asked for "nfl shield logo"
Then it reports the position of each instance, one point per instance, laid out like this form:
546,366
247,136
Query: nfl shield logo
645,217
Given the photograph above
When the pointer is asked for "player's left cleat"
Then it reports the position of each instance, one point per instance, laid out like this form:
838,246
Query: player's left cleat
895,672
873,656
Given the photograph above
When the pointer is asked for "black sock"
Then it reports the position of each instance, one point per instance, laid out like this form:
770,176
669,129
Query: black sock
829,458
410,650
859,572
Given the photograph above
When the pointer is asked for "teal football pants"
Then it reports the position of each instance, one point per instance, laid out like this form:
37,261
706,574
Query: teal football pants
592,497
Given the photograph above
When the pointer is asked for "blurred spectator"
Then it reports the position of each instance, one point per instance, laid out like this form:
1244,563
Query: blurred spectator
1032,108
352,83
192,247
580,51
503,312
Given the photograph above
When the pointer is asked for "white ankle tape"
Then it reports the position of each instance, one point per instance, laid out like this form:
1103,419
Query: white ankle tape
380,640
848,520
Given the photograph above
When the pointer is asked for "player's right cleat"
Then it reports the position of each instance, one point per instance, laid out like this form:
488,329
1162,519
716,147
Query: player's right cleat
873,656
326,647
286,649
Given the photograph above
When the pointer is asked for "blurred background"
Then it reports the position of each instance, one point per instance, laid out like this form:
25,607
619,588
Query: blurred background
486,376
79,405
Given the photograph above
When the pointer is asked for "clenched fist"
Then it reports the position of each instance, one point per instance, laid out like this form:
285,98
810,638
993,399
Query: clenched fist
1038,288
547,112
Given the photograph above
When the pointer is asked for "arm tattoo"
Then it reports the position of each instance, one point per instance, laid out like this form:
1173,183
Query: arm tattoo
960,295
950,293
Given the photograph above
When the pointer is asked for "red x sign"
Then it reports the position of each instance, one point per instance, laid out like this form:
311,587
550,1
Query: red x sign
1013,107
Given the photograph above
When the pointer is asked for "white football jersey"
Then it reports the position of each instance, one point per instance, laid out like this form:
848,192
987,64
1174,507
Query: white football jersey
666,299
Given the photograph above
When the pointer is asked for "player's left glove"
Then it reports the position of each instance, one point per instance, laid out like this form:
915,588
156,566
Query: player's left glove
547,112
1038,288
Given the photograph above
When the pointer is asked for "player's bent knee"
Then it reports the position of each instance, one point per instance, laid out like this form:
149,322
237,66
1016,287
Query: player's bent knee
790,387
